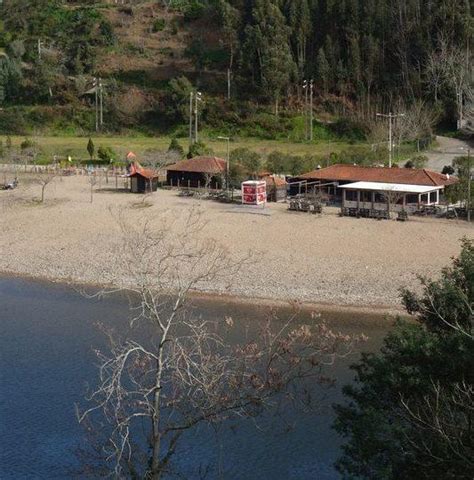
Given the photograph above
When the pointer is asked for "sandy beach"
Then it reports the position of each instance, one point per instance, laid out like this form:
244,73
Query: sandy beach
316,259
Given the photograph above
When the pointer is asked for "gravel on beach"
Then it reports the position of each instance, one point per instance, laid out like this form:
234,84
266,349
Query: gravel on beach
296,256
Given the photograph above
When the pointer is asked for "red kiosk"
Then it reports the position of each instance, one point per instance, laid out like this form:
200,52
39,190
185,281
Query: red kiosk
254,192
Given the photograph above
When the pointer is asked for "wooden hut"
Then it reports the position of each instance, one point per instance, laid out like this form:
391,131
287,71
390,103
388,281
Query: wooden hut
142,180
197,172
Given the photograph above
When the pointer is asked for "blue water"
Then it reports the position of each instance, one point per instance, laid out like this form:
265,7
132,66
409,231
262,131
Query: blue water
47,333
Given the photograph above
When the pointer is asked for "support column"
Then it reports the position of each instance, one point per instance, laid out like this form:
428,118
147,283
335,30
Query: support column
372,198
437,197
358,200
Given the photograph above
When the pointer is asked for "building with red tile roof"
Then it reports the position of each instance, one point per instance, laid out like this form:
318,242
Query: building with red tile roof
354,173
197,172
142,179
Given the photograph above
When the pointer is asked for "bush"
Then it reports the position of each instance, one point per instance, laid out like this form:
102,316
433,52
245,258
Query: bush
448,170
175,146
27,143
199,148
348,129
106,154
158,25
194,10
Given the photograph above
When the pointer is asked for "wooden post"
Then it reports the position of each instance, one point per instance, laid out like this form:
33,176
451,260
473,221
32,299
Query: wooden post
358,200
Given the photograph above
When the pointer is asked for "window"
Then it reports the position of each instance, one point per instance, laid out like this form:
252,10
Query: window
365,196
351,195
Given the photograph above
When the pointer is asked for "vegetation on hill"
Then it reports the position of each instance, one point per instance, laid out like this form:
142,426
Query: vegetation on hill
248,58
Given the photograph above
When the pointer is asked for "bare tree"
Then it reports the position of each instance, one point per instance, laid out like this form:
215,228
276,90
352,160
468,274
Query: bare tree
185,373
444,415
158,159
416,123
391,197
45,178
449,67
92,183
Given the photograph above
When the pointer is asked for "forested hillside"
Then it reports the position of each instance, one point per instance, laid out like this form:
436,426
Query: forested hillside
364,56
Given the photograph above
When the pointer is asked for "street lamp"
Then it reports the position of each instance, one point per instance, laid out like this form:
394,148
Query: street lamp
227,139
390,117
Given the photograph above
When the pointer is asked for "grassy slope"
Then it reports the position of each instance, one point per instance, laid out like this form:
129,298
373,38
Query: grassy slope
76,146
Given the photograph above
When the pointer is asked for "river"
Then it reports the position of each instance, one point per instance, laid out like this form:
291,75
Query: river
47,333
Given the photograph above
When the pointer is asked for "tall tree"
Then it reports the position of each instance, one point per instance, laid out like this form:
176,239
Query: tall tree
267,49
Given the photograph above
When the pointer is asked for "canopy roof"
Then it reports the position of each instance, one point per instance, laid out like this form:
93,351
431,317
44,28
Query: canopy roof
390,187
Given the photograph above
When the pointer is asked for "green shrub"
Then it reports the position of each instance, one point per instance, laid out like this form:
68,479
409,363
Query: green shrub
175,146
199,148
106,154
158,25
194,10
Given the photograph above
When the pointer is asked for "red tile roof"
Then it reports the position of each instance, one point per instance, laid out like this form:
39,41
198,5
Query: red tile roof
137,169
274,181
355,173
211,165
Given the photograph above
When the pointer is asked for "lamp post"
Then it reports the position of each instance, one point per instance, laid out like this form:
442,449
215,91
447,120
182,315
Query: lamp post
390,117
227,139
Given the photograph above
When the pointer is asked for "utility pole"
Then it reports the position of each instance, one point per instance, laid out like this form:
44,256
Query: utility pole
101,102
390,117
311,110
96,93
305,88
191,118
197,98
469,185
228,161
228,84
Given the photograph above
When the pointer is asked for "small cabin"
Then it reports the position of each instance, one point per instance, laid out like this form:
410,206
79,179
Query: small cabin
142,180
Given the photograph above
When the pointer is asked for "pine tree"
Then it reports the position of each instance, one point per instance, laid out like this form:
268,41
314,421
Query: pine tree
91,148
323,70
268,50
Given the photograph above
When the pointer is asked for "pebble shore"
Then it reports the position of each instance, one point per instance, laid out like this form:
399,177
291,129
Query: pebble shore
295,256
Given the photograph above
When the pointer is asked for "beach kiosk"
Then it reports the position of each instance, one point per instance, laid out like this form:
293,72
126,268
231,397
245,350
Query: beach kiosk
254,192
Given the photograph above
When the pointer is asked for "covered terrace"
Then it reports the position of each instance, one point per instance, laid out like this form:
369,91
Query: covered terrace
369,198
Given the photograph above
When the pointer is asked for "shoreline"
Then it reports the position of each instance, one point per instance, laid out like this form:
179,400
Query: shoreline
322,263
379,310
